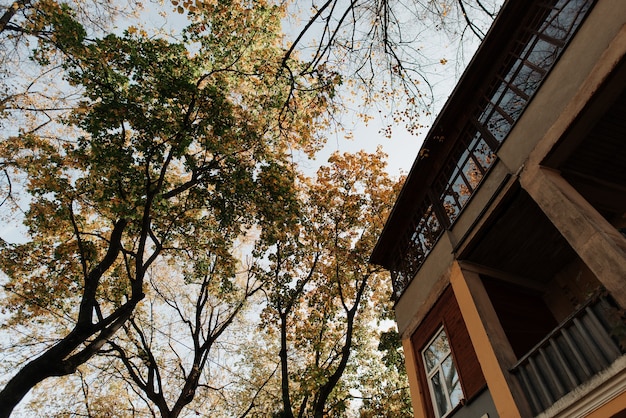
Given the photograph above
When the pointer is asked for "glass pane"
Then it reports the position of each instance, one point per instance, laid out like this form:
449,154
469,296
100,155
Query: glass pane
543,54
556,27
450,207
440,397
437,351
512,104
460,190
432,229
568,14
472,173
486,113
510,74
498,126
483,155
528,45
452,382
430,358
528,80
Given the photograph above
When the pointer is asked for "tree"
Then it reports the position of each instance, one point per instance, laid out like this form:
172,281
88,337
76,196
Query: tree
386,392
33,97
159,141
168,143
323,298
166,350
391,50
166,346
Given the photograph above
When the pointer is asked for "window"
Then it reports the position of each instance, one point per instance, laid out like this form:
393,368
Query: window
536,48
443,331
443,379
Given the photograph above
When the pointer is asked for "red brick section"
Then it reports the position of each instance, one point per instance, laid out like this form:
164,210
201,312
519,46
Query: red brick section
446,311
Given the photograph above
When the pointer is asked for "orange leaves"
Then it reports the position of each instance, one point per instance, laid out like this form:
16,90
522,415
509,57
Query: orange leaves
322,294
192,6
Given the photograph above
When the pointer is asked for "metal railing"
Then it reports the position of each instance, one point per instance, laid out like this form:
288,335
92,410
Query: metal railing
570,355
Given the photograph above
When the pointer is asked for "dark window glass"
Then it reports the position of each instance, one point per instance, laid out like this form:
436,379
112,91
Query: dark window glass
533,54
528,79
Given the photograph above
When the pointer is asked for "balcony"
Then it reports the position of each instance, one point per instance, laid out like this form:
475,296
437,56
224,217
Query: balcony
583,345
499,103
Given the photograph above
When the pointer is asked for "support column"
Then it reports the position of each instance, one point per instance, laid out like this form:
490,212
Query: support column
601,247
493,350
419,409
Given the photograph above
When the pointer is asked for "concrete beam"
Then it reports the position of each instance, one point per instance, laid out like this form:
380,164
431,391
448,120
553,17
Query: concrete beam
598,243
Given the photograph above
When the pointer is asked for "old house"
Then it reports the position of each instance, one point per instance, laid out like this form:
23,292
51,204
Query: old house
507,244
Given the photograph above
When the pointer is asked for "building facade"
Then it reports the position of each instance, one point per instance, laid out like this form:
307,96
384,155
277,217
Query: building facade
507,244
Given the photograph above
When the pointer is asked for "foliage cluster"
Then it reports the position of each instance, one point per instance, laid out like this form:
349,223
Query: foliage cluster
164,212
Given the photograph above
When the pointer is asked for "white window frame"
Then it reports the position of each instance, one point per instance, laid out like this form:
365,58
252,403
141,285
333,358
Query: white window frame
439,369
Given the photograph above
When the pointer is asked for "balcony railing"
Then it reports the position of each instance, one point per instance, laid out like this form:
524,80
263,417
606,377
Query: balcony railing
537,48
578,349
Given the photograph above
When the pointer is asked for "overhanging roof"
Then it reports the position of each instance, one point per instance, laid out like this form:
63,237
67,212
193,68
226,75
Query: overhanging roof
445,131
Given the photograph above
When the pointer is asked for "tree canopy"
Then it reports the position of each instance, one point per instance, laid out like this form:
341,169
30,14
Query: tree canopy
167,220
166,146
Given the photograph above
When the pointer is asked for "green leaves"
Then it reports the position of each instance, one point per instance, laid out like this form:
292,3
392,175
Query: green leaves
57,28
322,296
183,140
178,154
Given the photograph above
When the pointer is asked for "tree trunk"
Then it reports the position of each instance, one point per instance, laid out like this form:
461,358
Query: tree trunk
284,367
327,388
29,376
61,359
49,364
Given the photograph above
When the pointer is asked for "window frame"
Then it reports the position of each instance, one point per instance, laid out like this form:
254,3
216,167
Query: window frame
438,368
520,70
